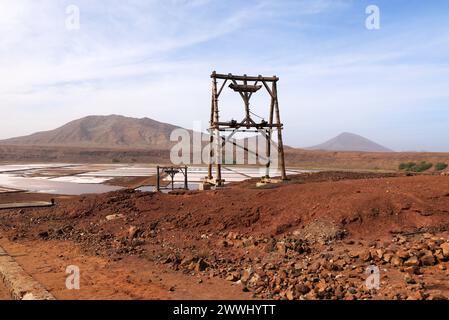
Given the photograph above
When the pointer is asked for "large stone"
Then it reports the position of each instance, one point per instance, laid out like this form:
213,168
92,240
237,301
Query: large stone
255,280
321,287
112,217
233,276
132,232
428,259
246,275
412,270
204,186
380,253
396,261
445,248
412,262
289,295
365,255
387,257
402,254
302,289
439,254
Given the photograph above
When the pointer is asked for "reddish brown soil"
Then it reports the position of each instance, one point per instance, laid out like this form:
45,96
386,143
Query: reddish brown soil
367,208
102,278
316,218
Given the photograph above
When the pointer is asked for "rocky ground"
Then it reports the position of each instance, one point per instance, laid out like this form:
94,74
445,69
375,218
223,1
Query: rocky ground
4,294
291,268
317,237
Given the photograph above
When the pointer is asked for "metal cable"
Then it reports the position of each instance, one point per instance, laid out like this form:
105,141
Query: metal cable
256,115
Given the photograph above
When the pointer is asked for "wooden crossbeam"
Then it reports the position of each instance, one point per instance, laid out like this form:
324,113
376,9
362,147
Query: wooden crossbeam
242,78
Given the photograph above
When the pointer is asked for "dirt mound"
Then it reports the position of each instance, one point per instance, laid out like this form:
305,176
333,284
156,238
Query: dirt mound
366,208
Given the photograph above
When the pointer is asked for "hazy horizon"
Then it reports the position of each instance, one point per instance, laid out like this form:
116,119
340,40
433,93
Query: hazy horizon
154,58
204,130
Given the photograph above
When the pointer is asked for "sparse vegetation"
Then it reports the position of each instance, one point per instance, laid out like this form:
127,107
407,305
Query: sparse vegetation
415,167
440,166
406,166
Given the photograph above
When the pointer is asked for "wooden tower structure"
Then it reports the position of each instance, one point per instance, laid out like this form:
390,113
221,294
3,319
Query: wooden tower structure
245,86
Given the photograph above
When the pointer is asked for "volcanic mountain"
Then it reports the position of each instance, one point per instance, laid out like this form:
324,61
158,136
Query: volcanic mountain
350,142
111,131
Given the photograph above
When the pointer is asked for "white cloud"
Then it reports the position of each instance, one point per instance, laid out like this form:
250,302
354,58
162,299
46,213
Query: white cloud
135,58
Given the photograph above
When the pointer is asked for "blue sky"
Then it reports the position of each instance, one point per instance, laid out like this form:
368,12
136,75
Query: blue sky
153,59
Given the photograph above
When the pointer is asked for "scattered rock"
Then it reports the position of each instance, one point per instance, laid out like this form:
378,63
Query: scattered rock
112,217
246,275
132,232
403,254
387,257
412,262
428,259
396,261
365,255
445,248
302,289
412,270
233,276
289,295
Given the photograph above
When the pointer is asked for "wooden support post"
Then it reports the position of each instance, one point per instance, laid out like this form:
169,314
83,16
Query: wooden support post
158,183
186,180
280,142
216,119
270,131
211,124
246,100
